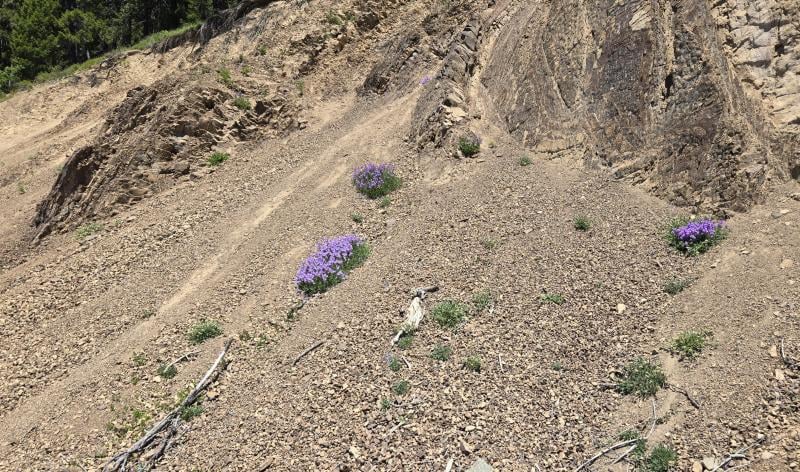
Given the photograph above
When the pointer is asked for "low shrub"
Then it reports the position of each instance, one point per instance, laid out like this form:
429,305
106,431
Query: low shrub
376,180
690,344
449,314
469,146
473,363
218,158
204,330
642,378
582,223
696,237
242,103
329,265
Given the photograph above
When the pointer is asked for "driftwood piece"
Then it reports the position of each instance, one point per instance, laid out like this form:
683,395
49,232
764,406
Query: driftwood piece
303,354
738,454
169,424
414,313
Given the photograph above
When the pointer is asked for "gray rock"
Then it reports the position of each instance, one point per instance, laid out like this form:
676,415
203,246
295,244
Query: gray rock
480,465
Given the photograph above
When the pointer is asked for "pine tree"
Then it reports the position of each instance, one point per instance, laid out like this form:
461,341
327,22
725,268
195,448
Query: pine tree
34,37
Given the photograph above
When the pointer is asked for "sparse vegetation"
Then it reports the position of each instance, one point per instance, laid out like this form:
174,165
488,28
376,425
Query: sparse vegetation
441,353
167,371
139,359
582,223
661,459
401,388
245,336
557,366
246,71
489,243
395,365
525,161
224,76
641,444
694,237
384,202
190,412
405,341
676,285
449,314
482,300
204,330
473,363
242,103
469,146
21,188
87,230
357,217
385,403
552,298
218,158
300,86
641,378
690,344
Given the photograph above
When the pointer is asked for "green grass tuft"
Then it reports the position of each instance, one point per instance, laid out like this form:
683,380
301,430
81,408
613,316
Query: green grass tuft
204,330
405,341
167,371
525,161
357,217
482,300
395,365
449,314
469,147
676,285
218,158
384,202
690,344
441,353
582,223
87,230
242,103
473,363
641,378
552,298
661,459
225,77
401,388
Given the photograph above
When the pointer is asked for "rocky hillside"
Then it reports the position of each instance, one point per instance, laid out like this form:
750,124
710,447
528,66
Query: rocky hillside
158,208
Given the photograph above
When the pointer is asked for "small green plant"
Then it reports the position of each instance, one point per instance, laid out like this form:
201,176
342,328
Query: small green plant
694,237
557,366
582,223
246,71
449,314
473,363
405,341
242,103
489,243
21,188
204,330
690,344
245,336
552,298
139,359
167,371
441,353
676,285
262,50
469,147
385,404
395,365
300,86
661,459
401,388
525,161
482,300
261,341
190,412
641,444
87,230
225,77
357,217
384,202
333,18
218,158
641,378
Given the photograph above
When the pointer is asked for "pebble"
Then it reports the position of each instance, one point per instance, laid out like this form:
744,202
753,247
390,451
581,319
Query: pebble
773,351
779,375
621,308
787,264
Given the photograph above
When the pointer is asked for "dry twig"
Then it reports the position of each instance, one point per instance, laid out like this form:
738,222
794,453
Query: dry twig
307,351
738,454
685,394
604,452
169,423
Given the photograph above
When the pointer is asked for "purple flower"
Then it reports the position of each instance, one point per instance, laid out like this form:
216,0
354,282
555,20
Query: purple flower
375,180
327,266
696,231
425,80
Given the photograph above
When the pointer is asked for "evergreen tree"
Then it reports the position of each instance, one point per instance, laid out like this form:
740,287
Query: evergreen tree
34,37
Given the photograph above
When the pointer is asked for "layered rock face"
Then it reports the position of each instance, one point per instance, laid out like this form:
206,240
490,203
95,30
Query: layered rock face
696,100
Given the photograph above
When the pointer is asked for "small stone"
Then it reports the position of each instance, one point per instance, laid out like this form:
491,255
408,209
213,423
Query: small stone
697,466
480,465
212,394
787,264
710,463
243,291
466,447
355,452
779,375
773,351
621,308
766,455
779,213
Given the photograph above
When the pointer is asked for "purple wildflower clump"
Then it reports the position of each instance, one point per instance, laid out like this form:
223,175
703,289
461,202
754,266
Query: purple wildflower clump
376,180
425,80
695,237
329,265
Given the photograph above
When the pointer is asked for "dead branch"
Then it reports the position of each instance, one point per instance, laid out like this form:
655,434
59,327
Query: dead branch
307,352
790,363
414,313
408,364
652,428
685,394
185,356
171,420
738,454
604,452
